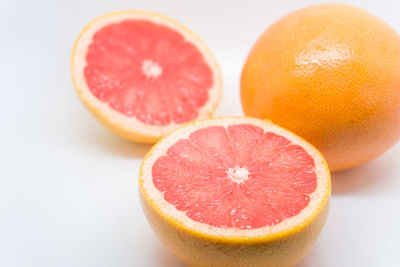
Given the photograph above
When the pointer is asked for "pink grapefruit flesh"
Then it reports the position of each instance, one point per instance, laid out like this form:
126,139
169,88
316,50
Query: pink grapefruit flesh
239,176
149,71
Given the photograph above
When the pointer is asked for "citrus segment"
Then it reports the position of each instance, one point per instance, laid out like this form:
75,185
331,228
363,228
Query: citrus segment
208,178
144,74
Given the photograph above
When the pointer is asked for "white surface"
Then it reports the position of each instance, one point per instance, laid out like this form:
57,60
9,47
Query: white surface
68,187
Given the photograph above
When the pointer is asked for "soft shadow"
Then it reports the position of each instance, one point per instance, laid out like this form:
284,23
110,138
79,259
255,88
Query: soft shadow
306,262
97,137
360,178
166,259
116,145
86,131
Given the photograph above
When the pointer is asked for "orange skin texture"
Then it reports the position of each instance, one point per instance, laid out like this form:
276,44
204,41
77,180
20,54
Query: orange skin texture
331,74
198,251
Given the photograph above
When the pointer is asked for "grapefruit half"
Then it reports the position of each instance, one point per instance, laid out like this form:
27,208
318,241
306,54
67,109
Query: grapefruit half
143,74
235,192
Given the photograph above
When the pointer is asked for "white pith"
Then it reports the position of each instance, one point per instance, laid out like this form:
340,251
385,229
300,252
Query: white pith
317,198
238,174
131,124
151,69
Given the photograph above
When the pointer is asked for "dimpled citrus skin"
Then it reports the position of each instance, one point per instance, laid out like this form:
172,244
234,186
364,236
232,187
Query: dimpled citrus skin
198,251
331,74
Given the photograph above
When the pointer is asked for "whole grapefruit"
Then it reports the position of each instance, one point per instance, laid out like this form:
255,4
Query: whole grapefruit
330,73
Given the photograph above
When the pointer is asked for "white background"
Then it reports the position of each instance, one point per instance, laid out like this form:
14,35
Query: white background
68,187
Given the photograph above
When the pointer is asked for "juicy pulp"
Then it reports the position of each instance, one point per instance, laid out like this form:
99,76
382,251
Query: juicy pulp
236,176
149,71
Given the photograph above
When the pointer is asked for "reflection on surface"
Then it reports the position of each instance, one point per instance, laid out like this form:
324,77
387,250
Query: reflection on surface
316,56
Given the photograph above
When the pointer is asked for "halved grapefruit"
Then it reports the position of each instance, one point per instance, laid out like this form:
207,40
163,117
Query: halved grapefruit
143,74
235,192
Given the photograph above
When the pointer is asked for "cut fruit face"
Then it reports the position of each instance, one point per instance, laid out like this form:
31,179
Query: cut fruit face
235,177
144,74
